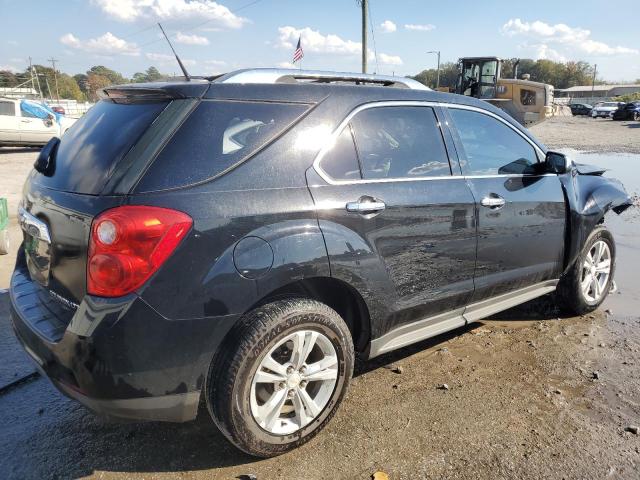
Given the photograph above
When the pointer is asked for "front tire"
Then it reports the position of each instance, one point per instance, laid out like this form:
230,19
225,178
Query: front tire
280,376
587,283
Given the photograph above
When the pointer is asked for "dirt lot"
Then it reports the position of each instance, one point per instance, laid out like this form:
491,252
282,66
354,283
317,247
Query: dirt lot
590,134
530,394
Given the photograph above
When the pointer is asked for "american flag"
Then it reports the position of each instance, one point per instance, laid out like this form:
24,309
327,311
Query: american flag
298,54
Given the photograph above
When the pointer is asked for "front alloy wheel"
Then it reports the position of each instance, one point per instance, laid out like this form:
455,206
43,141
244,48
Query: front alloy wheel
588,281
596,270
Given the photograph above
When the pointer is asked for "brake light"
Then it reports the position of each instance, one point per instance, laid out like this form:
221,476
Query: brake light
128,244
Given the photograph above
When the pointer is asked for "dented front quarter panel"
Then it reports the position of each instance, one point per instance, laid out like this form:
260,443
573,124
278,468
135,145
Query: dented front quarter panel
589,197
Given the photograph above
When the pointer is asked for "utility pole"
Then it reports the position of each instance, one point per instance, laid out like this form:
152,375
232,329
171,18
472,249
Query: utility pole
438,74
593,82
33,85
55,76
37,80
365,22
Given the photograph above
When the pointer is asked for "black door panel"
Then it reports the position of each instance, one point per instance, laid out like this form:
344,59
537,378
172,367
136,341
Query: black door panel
521,213
408,243
522,242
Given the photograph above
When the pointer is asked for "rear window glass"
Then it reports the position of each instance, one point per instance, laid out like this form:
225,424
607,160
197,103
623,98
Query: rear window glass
93,146
215,137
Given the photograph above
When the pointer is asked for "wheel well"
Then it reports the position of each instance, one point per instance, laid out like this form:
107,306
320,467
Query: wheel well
338,295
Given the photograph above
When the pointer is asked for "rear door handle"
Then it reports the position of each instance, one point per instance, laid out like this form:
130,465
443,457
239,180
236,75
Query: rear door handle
364,206
493,201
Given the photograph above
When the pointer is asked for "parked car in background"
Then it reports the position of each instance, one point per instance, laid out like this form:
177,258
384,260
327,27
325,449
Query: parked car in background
580,108
225,241
58,109
29,123
628,111
604,109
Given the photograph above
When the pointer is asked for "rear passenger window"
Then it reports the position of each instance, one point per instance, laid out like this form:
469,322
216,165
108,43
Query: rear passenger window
7,108
215,137
341,162
400,142
490,146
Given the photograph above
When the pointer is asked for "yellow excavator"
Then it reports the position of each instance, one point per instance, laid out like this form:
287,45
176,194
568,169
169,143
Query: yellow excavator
526,101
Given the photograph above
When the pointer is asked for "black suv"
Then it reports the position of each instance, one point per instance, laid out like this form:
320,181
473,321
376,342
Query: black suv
580,109
241,239
627,111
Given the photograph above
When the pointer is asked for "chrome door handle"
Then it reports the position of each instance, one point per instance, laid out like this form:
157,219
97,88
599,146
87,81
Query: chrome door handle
365,207
494,201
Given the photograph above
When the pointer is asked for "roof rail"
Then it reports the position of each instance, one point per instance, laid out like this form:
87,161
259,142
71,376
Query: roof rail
283,75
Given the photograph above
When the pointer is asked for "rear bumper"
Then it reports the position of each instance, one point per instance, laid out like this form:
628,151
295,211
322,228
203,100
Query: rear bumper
118,357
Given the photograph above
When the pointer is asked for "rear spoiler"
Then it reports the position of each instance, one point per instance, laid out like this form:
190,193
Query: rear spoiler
154,92
123,94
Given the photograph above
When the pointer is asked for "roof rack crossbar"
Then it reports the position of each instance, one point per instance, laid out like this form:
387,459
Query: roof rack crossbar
280,75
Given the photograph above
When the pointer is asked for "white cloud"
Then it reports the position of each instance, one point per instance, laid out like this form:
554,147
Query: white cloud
388,26
314,41
389,59
216,63
131,10
9,68
107,44
571,38
543,52
421,28
191,39
12,42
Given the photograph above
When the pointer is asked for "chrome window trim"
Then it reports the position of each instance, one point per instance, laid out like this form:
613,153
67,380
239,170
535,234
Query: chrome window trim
412,103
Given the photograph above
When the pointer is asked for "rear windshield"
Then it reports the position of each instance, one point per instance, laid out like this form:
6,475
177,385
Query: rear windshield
217,136
94,145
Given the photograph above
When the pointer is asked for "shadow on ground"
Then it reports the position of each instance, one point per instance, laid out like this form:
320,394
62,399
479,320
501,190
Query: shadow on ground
49,435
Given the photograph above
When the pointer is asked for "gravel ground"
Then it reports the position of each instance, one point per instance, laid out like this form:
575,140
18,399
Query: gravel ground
590,134
530,395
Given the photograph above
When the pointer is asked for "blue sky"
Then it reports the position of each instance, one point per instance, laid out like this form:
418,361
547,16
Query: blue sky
214,37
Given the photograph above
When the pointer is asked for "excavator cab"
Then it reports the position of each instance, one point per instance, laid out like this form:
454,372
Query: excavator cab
478,76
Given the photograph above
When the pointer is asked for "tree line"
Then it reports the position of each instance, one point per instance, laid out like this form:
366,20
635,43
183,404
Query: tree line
83,86
80,87
558,74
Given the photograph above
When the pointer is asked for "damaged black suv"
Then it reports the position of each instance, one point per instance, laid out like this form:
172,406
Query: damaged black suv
240,239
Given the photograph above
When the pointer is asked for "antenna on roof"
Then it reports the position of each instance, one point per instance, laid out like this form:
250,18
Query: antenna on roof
184,70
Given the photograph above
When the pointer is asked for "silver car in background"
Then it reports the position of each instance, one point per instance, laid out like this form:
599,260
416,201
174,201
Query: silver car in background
604,109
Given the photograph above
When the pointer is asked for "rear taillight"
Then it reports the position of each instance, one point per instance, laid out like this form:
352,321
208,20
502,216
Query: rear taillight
128,244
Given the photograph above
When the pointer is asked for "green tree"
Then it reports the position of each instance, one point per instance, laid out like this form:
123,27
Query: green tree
68,88
114,77
82,81
150,75
95,83
448,75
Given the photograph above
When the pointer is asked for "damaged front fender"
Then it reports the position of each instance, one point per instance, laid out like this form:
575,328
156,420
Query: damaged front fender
589,197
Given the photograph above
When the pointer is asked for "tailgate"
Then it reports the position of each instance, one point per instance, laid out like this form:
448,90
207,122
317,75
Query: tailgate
56,227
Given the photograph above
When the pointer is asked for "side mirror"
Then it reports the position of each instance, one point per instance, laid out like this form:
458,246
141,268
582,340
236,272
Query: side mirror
557,162
45,163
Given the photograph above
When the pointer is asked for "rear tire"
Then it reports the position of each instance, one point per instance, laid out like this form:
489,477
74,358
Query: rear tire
268,391
587,283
